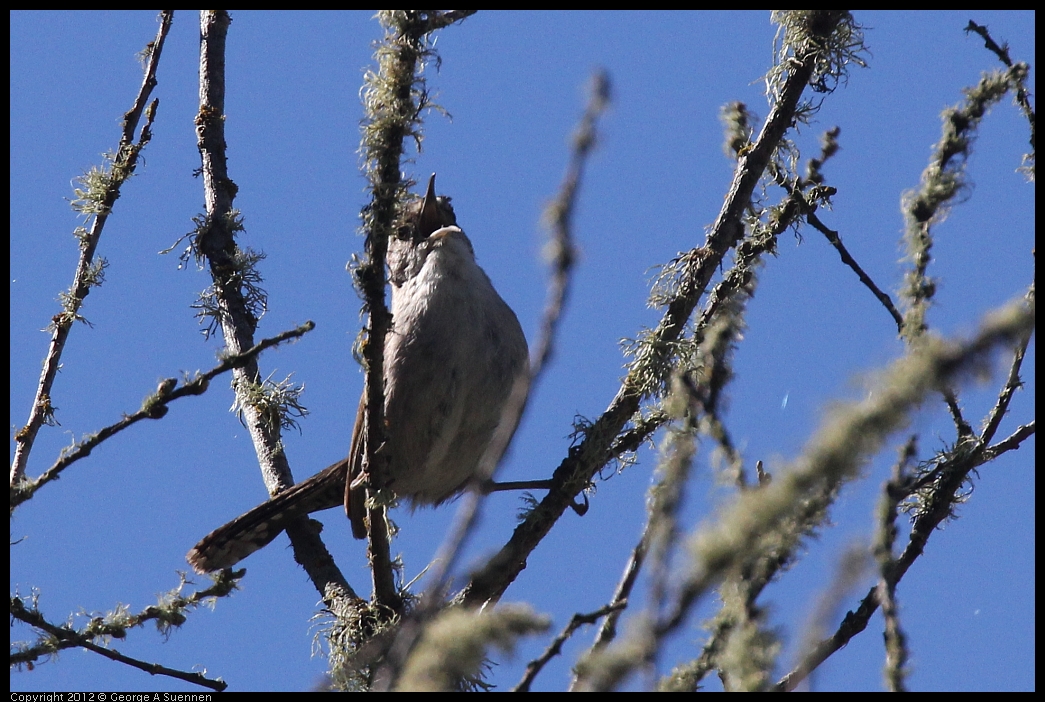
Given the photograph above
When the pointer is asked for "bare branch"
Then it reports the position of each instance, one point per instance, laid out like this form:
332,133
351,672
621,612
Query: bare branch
168,613
102,194
235,298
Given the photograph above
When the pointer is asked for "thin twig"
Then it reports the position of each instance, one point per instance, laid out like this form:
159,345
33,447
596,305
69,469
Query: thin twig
123,166
153,407
1002,52
847,259
1012,383
534,667
170,612
608,630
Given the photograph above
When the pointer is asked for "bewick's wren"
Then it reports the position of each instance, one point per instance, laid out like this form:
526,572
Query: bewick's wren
453,354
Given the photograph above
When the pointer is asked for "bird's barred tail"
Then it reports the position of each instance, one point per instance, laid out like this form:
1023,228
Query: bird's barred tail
229,544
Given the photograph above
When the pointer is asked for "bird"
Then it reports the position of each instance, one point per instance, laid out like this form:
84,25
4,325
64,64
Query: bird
455,354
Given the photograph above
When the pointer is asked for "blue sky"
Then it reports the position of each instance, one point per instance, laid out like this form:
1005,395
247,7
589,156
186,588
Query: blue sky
116,527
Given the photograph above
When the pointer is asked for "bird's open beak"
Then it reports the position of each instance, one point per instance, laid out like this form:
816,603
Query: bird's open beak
429,220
